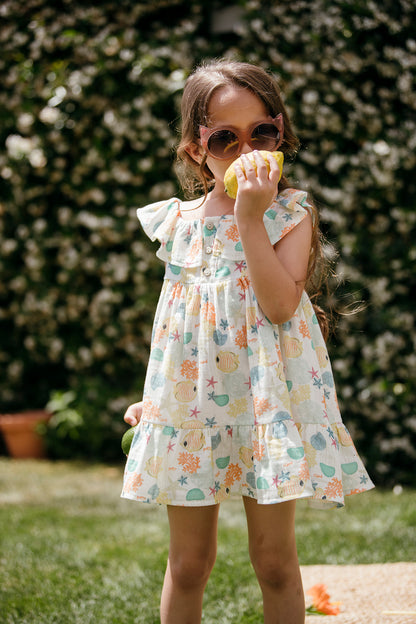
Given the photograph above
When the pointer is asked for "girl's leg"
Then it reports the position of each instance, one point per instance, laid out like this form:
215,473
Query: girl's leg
272,545
192,552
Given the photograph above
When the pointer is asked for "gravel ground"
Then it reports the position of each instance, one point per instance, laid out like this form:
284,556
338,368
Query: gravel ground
370,594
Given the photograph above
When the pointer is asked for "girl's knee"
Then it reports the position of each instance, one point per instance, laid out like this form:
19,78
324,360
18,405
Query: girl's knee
191,571
273,569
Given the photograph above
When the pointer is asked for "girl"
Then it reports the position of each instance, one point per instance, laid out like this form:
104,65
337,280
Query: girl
239,396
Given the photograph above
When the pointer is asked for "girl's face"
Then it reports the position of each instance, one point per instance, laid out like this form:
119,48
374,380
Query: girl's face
236,107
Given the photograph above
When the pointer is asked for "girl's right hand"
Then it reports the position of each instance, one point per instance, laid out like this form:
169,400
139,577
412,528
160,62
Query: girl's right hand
134,413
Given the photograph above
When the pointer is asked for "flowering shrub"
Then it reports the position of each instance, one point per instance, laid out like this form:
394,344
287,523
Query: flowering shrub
89,121
348,71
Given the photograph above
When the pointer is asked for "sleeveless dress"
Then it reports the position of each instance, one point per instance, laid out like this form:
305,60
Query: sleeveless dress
233,403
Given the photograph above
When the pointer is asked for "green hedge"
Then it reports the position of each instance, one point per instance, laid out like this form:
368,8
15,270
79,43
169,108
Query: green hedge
89,110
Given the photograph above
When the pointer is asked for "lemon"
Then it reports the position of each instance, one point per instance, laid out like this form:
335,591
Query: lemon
230,179
127,439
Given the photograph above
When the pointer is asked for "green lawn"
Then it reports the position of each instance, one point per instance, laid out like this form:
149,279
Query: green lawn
71,551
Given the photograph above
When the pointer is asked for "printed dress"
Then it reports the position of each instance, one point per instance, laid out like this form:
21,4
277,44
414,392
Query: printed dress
233,403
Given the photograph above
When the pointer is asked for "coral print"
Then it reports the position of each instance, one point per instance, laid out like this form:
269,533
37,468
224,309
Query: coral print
232,402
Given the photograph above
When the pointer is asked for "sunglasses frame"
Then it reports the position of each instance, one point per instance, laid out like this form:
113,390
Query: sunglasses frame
243,136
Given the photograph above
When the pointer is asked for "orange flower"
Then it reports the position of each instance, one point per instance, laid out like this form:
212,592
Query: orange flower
320,601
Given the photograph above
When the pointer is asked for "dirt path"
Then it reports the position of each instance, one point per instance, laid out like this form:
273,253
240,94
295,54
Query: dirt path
370,594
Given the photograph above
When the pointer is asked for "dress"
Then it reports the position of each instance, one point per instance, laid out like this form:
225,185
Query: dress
233,403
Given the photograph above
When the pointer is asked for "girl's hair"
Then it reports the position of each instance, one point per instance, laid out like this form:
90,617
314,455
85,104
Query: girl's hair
199,88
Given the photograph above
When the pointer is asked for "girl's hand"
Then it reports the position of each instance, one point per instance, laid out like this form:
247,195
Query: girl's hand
256,189
133,414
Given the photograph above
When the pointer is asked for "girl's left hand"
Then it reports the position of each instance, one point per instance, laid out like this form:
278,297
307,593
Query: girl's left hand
256,189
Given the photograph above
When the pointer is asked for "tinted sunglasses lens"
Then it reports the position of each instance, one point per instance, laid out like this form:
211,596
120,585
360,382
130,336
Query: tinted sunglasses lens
265,136
223,144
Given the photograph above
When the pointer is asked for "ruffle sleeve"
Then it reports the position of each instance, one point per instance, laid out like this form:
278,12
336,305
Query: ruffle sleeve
178,239
289,209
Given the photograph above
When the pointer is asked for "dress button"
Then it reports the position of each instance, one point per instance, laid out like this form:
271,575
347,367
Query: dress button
209,225
206,271
208,250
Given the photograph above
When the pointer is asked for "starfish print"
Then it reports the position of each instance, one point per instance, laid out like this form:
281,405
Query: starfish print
175,336
170,447
284,476
240,266
211,382
195,412
313,372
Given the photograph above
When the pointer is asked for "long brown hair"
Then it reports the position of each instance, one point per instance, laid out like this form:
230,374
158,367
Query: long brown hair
194,176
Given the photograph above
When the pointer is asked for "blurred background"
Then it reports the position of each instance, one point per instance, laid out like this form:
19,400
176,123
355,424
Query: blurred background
89,122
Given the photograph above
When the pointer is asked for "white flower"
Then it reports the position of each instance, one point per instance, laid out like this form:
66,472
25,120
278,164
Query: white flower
49,115
18,146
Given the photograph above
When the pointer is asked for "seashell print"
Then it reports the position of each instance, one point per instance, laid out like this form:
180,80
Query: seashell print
222,462
318,441
219,338
275,448
343,436
227,361
195,495
154,466
256,373
292,347
193,306
322,356
296,453
221,399
185,391
216,441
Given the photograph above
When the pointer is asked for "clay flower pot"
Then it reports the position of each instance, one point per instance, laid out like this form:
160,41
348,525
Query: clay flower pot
20,433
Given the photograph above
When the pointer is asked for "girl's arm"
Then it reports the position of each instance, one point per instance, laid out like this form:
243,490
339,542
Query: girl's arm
278,273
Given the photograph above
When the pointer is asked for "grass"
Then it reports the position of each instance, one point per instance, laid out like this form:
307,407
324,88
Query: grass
73,552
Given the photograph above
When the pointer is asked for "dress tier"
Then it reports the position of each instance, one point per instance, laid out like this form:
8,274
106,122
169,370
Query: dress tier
232,402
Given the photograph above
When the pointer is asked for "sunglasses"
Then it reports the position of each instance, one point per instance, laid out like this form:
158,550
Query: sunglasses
226,142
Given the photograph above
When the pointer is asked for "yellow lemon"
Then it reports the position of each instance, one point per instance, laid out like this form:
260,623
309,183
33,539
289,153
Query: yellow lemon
230,179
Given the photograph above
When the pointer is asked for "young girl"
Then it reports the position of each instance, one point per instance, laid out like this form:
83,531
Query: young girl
239,395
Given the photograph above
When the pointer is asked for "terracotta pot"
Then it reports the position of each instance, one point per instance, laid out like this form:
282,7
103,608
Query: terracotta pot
20,433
